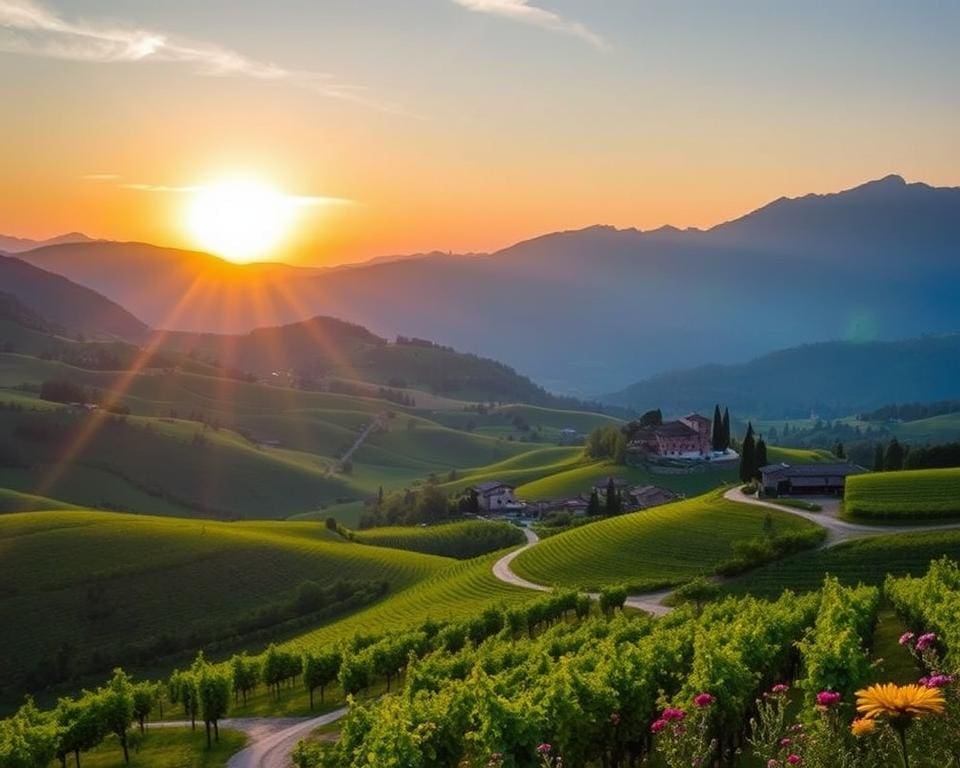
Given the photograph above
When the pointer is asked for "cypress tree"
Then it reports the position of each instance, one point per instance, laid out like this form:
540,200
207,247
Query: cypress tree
726,429
593,506
839,451
893,459
760,456
716,439
613,497
878,458
748,456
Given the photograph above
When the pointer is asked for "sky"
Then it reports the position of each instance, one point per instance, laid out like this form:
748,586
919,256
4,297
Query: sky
405,126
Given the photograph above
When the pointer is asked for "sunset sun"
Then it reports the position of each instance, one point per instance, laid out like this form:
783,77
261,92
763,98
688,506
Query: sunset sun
239,220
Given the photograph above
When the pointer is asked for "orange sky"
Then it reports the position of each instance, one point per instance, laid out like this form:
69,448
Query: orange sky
472,130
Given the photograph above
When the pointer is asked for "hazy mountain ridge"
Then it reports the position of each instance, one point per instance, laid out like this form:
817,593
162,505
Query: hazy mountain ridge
586,311
11,244
830,379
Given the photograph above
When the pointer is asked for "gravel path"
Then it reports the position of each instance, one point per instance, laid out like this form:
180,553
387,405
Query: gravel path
273,739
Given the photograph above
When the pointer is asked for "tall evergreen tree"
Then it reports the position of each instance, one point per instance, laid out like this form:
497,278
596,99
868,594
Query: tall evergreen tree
839,451
613,497
748,457
760,456
593,506
716,439
893,458
726,429
878,458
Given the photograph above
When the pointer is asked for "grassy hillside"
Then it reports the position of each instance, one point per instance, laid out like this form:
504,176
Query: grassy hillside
14,501
462,540
126,589
776,455
910,495
657,547
865,560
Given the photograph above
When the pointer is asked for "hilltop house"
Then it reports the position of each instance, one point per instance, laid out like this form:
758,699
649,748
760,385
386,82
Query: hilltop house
646,496
495,496
686,438
813,479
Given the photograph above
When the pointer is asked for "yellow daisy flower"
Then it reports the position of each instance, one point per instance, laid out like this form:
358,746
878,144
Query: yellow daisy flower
863,727
896,701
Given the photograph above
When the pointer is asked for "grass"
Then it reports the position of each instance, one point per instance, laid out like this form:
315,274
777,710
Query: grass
15,501
909,495
659,547
866,560
111,585
580,479
807,506
462,540
167,747
778,455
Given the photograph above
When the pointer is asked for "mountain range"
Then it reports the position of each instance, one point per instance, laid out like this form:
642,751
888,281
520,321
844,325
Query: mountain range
592,310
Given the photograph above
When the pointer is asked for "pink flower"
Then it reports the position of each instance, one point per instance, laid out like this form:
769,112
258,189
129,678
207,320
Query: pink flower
771,763
906,638
926,641
936,681
794,759
786,742
544,749
779,689
827,699
658,725
703,699
673,713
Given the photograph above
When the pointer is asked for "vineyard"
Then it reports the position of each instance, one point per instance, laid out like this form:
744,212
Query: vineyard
657,547
462,540
907,495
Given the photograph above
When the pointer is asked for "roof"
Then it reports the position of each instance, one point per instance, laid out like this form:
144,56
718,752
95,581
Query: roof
490,485
674,429
697,417
649,490
817,469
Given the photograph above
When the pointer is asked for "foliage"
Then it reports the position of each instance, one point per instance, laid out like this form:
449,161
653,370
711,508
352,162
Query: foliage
462,540
908,495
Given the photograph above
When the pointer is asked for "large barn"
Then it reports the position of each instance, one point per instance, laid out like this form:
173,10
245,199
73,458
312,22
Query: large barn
817,479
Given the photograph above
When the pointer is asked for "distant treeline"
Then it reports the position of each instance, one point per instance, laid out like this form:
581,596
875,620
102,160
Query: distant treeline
894,455
911,411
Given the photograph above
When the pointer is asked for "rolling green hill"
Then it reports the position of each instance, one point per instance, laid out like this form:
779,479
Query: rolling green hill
127,589
657,547
910,495
462,540
866,560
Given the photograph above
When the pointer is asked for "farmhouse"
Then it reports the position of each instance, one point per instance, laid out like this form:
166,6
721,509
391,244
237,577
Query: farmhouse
686,438
495,496
646,496
812,479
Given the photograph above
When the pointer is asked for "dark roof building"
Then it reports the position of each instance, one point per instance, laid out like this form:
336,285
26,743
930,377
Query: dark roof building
819,478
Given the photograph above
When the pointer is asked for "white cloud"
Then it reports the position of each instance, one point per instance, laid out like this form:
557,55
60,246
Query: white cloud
522,11
299,201
31,29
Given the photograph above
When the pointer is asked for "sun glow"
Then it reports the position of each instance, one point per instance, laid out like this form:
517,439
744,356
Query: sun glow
240,220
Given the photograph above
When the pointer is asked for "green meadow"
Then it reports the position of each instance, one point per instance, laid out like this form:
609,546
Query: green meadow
921,494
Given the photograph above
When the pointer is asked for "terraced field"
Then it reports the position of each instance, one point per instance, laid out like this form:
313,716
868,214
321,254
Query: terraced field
462,540
865,560
776,455
922,494
651,549
526,467
457,591
99,575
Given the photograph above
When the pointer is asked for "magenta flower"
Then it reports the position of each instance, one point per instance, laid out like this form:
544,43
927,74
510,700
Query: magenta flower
658,725
780,689
703,699
827,699
936,681
544,749
926,641
673,713
794,759
906,638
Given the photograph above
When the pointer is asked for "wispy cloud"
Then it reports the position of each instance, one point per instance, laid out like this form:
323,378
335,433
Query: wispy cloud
523,11
99,177
298,201
28,28
157,188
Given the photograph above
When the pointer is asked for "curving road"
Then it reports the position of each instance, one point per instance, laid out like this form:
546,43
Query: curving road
273,739
838,531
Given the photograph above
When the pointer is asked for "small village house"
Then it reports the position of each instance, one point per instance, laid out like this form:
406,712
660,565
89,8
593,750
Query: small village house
817,479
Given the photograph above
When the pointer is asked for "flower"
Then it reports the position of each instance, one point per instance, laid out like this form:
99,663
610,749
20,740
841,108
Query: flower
544,749
658,725
936,681
703,699
673,713
906,638
891,700
926,641
786,742
780,689
771,763
615,718
794,759
827,699
862,727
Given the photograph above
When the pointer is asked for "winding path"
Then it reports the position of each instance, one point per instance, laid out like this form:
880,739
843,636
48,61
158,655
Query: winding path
273,739
838,531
